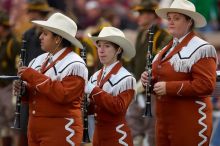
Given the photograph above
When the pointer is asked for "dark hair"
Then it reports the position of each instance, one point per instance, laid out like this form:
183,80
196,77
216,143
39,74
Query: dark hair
117,47
64,42
190,19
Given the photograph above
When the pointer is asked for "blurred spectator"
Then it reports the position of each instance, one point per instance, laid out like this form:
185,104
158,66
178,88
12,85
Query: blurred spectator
9,53
18,18
118,19
6,5
80,11
93,11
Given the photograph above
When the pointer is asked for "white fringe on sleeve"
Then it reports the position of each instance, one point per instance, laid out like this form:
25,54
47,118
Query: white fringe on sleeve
77,69
125,84
183,63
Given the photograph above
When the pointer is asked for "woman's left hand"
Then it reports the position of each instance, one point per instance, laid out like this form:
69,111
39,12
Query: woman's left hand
21,70
160,88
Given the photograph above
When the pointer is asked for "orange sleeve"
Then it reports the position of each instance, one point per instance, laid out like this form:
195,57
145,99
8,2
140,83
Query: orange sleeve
114,104
202,83
70,88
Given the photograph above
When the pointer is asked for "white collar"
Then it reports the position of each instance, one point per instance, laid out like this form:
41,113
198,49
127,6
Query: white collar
107,69
181,39
55,56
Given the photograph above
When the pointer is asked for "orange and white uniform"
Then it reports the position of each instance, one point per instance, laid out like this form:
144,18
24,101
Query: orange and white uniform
184,114
54,93
110,97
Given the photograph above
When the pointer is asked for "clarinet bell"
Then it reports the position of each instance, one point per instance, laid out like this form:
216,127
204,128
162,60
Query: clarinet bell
148,112
86,138
16,124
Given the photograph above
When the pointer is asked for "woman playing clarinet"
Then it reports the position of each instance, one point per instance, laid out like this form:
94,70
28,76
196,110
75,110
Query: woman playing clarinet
111,89
55,83
184,75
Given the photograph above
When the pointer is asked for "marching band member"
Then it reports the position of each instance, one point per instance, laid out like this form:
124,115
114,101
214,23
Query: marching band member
111,89
55,85
184,75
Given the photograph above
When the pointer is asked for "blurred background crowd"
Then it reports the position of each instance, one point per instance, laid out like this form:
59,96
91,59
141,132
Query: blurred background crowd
91,16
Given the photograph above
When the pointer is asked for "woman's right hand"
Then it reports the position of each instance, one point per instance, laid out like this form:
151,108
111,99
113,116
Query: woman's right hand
144,78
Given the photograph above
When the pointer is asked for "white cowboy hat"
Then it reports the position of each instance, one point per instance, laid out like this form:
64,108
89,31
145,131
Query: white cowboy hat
116,36
61,25
184,7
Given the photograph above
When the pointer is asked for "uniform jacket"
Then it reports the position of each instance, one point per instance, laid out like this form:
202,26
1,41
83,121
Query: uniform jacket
111,99
58,91
189,71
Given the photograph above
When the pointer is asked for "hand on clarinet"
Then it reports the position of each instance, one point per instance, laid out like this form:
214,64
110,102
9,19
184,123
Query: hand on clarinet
144,78
159,87
21,67
21,70
19,85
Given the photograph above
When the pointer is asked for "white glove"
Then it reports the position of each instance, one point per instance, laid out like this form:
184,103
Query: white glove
89,87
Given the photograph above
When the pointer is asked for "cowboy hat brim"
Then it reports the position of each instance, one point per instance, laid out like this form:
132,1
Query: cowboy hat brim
128,49
199,20
51,27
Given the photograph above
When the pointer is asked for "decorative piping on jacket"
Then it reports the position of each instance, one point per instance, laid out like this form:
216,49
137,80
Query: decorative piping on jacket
178,93
96,94
72,132
123,133
201,132
41,84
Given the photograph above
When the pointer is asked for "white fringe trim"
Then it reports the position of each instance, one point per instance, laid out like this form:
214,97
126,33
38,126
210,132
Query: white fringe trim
78,69
185,65
124,135
72,132
126,84
201,132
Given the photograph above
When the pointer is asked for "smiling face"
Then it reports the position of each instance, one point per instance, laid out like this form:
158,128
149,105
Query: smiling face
178,24
107,52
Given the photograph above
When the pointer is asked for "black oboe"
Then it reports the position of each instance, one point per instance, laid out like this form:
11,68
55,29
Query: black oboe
86,138
17,122
149,58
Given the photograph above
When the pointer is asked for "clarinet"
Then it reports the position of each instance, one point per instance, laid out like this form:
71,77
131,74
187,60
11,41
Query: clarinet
149,58
86,138
17,122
